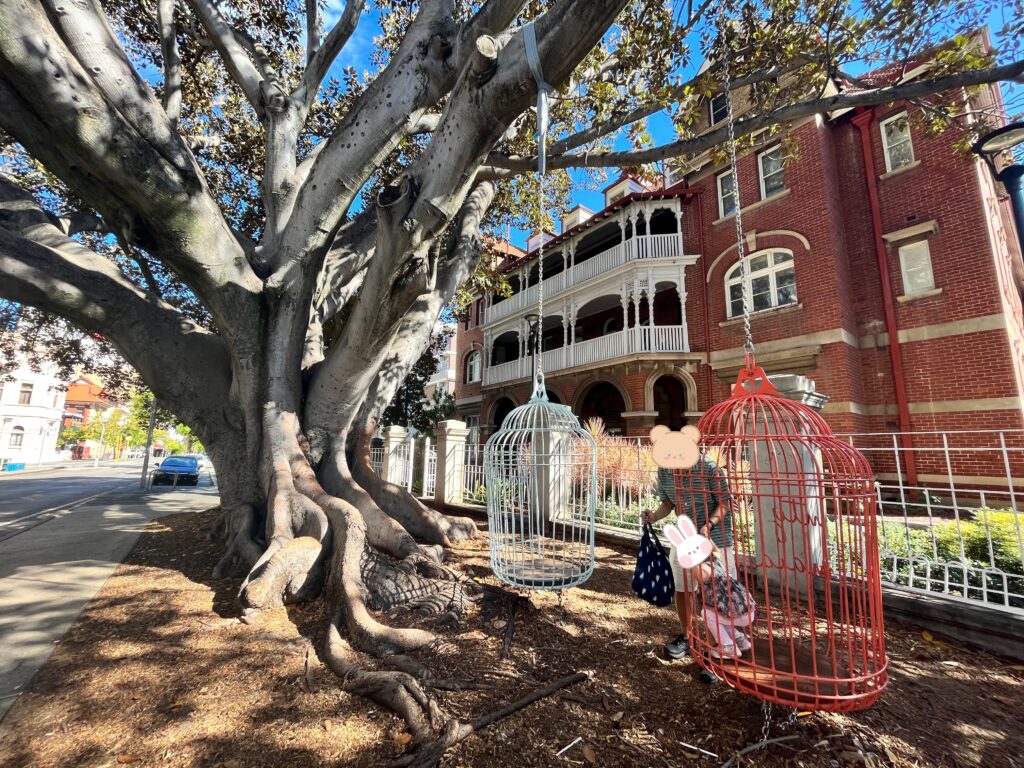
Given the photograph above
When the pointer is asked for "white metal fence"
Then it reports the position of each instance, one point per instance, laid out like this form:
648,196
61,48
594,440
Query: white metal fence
377,458
949,505
474,491
429,470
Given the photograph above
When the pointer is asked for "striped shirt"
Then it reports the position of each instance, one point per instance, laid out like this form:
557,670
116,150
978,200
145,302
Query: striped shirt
702,489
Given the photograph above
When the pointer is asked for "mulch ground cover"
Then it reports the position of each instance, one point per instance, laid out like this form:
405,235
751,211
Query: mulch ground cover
158,671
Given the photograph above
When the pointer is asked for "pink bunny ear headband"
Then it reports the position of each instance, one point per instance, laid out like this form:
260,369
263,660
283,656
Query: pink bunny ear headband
691,548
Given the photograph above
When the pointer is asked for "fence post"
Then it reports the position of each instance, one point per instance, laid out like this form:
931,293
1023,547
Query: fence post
394,464
451,459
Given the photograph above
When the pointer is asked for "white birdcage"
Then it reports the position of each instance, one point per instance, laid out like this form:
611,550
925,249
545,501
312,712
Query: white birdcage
540,467
541,489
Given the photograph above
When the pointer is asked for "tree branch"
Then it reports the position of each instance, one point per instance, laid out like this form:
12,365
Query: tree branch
320,62
237,61
172,61
312,29
185,364
493,18
113,145
748,125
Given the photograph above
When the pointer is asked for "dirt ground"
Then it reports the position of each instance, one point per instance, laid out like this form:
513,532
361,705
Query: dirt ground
157,671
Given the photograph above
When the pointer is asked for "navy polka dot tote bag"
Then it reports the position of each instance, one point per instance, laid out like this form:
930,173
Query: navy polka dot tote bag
652,579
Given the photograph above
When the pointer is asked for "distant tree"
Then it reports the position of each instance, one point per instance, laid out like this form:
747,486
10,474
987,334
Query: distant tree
408,407
438,407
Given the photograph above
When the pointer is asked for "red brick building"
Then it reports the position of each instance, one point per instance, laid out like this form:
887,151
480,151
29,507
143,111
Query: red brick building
85,398
882,266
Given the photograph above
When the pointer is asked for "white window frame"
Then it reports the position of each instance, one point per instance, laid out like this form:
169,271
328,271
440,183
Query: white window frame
722,213
711,109
885,142
760,171
26,388
735,276
473,368
17,438
904,252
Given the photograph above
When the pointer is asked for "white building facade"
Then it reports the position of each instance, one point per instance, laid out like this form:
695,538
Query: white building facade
31,409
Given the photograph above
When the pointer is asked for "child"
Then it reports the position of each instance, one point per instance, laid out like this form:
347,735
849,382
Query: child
725,603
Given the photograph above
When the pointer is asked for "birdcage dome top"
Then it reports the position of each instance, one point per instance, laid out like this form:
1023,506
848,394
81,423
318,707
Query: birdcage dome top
539,415
758,411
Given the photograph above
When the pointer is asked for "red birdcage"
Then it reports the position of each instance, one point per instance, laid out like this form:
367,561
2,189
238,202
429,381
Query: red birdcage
802,513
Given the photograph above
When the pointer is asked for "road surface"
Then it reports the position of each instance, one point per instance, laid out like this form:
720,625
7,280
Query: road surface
24,496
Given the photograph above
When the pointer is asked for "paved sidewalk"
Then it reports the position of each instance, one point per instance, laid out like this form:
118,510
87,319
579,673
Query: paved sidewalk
49,573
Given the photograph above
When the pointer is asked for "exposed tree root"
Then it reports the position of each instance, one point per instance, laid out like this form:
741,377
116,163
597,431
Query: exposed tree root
419,520
240,526
293,574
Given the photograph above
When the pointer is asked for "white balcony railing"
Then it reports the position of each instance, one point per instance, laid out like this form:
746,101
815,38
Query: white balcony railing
647,247
660,338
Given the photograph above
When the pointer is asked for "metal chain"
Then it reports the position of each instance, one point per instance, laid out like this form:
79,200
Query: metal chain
766,707
539,383
748,344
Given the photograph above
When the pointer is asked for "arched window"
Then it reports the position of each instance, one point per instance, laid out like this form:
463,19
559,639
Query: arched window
17,437
471,368
771,282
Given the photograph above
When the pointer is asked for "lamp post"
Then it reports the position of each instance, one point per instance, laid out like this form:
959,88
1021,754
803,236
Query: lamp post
995,143
104,418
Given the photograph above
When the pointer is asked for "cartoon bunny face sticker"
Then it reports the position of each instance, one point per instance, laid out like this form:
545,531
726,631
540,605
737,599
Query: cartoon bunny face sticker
675,450
691,548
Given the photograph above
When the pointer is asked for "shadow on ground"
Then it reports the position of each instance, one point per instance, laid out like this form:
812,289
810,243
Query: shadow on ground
157,671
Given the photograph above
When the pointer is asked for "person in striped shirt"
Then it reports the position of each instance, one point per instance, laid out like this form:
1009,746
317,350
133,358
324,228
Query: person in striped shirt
703,494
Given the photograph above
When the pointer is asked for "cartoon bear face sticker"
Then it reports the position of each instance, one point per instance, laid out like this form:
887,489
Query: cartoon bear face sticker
675,450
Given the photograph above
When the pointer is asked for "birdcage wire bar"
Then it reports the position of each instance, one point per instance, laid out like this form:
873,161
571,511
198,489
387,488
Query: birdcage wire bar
803,508
541,482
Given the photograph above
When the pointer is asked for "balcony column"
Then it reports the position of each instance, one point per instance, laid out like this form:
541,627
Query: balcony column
651,293
627,245
565,336
571,353
624,300
679,227
681,291
571,252
522,345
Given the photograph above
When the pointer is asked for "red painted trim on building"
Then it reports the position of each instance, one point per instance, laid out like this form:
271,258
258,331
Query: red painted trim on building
863,120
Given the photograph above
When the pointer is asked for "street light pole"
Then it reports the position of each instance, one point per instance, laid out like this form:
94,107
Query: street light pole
105,417
1012,176
149,444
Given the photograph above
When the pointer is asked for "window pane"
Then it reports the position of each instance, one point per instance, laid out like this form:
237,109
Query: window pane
774,184
719,109
781,257
758,263
771,162
785,287
726,194
762,292
735,300
900,155
898,148
916,263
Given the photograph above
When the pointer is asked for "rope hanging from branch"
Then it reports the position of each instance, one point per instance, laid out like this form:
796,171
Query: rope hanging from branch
543,90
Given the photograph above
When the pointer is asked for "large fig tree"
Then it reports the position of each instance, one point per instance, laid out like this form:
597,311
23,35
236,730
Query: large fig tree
268,239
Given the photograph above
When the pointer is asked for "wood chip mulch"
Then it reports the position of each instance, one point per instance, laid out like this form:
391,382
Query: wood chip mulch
158,671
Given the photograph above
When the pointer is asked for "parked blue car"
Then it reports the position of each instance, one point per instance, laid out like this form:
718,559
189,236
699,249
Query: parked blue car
185,468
